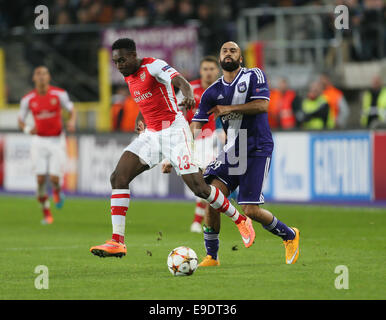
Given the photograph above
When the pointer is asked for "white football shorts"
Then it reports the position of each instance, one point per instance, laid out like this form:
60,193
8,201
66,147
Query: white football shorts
48,155
174,143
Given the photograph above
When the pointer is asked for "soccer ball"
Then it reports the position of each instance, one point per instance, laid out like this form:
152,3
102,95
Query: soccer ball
182,261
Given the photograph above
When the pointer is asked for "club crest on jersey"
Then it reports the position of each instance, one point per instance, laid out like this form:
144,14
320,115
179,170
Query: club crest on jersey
143,76
242,87
53,101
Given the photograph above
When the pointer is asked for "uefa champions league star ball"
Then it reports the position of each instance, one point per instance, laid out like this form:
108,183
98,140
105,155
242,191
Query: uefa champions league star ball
182,261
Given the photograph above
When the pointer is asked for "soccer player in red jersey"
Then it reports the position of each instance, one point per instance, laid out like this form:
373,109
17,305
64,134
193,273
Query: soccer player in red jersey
45,103
167,136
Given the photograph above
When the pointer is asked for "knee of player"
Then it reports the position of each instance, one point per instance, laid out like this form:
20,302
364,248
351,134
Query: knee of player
41,180
200,191
54,179
251,210
118,181
201,194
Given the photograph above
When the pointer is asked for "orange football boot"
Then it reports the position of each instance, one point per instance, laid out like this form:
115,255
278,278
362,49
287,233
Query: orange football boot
292,248
111,248
247,232
209,262
48,220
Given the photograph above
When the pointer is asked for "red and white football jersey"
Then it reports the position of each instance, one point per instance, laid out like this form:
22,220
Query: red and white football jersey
46,110
152,90
209,127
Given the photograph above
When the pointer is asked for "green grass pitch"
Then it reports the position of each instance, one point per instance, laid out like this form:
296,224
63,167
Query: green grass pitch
330,236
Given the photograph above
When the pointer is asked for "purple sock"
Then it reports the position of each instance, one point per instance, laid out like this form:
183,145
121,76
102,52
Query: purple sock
278,228
211,243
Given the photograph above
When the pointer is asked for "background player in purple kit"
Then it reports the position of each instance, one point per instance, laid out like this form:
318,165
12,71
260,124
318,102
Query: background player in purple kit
240,98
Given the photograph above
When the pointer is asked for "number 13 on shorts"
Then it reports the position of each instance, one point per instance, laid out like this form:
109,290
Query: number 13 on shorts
183,162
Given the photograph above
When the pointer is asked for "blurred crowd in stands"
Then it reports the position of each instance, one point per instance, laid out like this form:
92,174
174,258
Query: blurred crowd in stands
367,28
216,19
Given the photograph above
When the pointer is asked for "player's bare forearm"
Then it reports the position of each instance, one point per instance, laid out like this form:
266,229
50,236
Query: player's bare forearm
21,124
196,127
250,108
186,89
71,124
183,84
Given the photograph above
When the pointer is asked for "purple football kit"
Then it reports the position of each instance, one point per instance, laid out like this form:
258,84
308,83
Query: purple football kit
244,161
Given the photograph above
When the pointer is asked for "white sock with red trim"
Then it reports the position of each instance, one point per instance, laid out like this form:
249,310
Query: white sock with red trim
120,199
199,212
218,201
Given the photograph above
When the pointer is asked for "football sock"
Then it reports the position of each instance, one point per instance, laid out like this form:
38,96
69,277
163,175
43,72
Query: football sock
212,242
56,191
280,229
119,204
218,201
45,205
199,212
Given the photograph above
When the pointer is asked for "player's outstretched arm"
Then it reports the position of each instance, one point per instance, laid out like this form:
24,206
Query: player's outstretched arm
187,91
21,119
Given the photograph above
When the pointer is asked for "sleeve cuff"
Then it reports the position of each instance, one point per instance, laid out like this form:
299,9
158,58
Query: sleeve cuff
175,74
200,120
259,97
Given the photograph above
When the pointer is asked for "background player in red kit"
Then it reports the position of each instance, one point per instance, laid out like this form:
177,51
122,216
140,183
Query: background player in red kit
205,148
167,136
45,103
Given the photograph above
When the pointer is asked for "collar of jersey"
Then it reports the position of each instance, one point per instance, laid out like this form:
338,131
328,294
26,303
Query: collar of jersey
139,69
234,80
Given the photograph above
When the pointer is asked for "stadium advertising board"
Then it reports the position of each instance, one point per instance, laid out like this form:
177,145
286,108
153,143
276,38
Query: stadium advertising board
71,166
98,156
305,167
341,166
18,169
290,170
178,46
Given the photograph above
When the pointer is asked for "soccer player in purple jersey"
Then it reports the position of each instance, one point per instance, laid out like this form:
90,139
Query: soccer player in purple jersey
240,98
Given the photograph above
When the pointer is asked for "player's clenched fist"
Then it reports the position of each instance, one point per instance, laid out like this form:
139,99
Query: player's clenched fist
140,126
166,167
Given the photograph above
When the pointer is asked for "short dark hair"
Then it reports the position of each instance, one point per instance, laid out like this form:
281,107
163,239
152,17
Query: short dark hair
210,59
124,43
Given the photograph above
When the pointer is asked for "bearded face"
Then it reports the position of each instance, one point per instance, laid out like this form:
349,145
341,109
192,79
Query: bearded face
230,64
